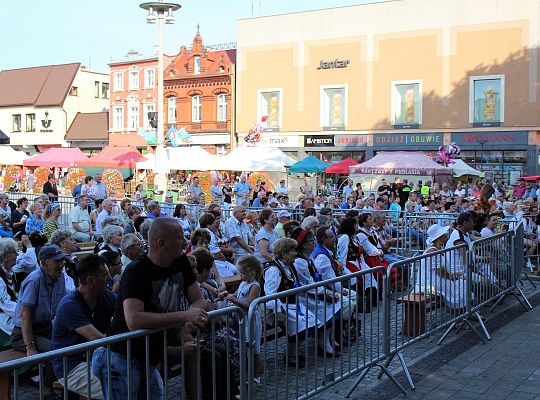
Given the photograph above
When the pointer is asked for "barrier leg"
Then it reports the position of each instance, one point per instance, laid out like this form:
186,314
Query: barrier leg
499,301
528,278
394,381
357,381
482,325
386,364
475,330
523,300
446,333
406,371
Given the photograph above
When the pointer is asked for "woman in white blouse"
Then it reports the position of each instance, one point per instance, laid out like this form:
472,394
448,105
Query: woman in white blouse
8,297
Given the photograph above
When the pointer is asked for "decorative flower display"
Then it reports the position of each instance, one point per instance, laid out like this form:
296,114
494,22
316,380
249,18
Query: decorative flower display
13,172
256,176
114,182
40,177
73,178
205,180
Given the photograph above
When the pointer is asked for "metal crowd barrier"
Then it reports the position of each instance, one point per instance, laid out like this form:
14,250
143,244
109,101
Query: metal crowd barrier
294,367
209,364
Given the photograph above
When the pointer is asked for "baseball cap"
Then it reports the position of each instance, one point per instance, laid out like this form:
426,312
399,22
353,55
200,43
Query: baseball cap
51,252
273,201
169,196
284,214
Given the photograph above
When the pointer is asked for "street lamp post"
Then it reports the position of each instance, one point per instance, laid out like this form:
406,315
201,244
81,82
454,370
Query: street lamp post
162,12
481,141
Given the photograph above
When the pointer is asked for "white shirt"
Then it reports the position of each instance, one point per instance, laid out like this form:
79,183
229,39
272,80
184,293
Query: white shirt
282,189
324,268
99,220
272,279
369,248
459,192
81,217
347,190
233,229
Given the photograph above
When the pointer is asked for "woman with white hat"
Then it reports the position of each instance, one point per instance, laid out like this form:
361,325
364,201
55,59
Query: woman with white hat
435,277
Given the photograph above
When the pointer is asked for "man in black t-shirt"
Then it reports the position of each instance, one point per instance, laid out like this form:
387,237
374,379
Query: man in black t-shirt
384,189
152,289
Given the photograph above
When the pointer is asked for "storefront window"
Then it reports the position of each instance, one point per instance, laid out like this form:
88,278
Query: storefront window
487,100
269,104
507,165
406,103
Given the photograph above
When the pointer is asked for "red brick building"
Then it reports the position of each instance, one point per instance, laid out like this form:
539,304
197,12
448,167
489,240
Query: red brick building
198,94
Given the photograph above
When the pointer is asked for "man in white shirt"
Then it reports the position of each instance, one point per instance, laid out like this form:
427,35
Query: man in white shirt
215,192
306,189
460,191
445,191
318,203
238,232
282,189
106,212
100,190
81,226
347,190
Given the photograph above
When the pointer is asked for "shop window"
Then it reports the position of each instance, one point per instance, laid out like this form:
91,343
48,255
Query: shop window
486,104
118,81
406,104
334,107
16,123
270,105
196,106
171,110
30,122
118,118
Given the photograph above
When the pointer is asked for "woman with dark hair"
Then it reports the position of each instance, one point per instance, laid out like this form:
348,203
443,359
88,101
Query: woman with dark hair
310,211
323,303
350,254
266,237
133,213
95,212
219,245
180,214
19,217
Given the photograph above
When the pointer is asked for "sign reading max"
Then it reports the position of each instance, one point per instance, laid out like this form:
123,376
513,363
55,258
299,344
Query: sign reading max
333,64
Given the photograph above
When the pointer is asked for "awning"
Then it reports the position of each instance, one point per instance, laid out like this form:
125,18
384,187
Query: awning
115,157
341,167
4,139
9,156
254,159
309,164
57,157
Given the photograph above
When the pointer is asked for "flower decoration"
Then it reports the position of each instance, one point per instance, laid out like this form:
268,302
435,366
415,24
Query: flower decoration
259,176
12,174
114,182
205,180
40,177
254,134
73,178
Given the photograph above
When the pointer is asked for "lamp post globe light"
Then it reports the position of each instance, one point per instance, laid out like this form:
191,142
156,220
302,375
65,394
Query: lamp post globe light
160,12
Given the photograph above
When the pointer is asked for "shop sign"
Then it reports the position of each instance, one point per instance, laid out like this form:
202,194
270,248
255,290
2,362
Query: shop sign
319,141
408,139
333,64
489,138
350,140
278,141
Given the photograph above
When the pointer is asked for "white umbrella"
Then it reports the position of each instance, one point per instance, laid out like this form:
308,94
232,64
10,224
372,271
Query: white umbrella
9,156
460,168
256,159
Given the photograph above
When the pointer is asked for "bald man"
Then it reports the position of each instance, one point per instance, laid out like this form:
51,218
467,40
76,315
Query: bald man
151,293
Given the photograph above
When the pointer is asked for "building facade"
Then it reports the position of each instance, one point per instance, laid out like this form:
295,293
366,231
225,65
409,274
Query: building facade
38,104
397,75
198,91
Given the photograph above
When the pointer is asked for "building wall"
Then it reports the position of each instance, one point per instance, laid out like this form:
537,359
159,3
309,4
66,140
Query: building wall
439,44
122,97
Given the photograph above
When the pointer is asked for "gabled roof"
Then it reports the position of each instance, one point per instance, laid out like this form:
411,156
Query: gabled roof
37,86
89,126
178,68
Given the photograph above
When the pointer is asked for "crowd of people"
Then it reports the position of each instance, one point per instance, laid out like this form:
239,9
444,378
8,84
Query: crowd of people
157,265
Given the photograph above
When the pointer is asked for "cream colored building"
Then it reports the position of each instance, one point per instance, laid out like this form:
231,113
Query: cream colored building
397,75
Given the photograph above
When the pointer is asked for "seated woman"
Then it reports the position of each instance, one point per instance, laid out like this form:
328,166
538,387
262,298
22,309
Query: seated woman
35,221
52,213
373,256
323,303
8,296
435,276
279,276
112,237
217,241
266,237
350,254
201,239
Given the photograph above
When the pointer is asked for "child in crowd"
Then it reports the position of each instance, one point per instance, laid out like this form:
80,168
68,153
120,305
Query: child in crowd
251,273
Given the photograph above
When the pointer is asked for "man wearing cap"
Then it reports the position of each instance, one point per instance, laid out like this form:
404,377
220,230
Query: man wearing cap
282,189
238,232
273,202
50,189
168,206
283,216
39,296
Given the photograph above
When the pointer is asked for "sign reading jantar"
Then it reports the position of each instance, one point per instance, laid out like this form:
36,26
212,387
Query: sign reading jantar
333,64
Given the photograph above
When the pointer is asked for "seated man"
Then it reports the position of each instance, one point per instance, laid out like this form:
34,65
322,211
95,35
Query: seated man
81,225
83,315
131,249
38,299
385,241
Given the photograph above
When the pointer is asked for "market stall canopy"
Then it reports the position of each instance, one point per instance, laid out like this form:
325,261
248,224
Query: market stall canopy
193,158
533,178
9,156
115,157
341,167
254,159
309,164
461,168
57,157
401,163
